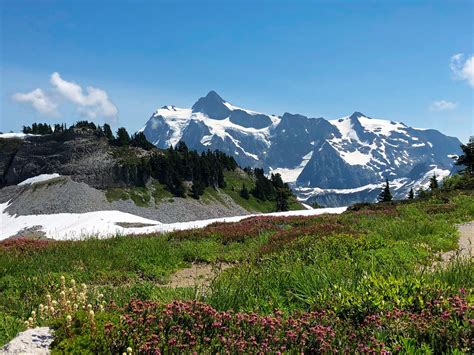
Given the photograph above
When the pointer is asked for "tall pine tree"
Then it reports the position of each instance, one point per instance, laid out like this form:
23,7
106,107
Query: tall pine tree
467,159
385,195
433,182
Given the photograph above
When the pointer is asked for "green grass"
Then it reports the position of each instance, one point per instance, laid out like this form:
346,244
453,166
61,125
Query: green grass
141,196
353,264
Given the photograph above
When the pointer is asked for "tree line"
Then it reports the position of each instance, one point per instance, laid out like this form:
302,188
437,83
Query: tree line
122,138
265,189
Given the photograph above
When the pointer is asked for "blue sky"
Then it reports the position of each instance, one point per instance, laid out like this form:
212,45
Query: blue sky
387,59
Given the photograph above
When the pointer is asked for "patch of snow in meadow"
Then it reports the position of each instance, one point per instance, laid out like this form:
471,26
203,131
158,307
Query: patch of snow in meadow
102,224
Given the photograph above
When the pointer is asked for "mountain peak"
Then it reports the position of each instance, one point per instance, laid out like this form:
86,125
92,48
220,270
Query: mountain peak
212,95
212,105
356,115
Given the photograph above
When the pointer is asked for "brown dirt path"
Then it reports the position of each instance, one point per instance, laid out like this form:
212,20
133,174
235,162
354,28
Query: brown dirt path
199,275
466,244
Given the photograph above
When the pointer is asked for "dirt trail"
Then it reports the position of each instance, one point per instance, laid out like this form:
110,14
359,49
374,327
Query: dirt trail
466,244
198,275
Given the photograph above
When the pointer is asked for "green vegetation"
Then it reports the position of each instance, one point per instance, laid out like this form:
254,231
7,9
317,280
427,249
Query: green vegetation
235,179
365,275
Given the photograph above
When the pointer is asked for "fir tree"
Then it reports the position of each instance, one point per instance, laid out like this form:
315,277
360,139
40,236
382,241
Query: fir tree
244,192
197,189
421,193
411,195
277,181
123,139
385,195
108,132
282,196
467,159
433,182
139,140
220,179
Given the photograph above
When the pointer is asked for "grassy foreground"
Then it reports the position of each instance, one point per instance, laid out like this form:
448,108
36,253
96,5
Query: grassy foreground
358,282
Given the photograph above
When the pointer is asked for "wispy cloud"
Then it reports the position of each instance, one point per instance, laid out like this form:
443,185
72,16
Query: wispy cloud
463,68
93,103
443,105
39,101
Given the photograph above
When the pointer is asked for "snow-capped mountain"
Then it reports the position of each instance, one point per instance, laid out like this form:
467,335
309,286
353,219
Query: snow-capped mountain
333,162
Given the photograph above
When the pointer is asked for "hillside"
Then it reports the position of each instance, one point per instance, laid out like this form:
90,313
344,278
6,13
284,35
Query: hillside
332,162
373,279
92,173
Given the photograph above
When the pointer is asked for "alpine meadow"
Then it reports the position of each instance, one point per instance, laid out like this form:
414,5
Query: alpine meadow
236,177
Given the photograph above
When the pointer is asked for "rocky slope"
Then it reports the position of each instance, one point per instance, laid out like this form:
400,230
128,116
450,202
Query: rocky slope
334,162
89,167
78,153
62,195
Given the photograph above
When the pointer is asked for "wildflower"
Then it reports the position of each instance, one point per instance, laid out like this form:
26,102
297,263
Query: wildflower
129,350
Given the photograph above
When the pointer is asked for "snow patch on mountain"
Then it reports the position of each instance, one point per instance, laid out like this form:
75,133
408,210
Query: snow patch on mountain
291,175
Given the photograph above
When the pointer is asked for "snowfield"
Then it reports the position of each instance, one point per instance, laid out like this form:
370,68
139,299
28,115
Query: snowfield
39,178
16,135
103,224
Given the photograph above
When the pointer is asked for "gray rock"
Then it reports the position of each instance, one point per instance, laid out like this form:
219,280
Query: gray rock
31,341
62,195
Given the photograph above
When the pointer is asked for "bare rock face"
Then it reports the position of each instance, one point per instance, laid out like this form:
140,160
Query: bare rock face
82,155
31,341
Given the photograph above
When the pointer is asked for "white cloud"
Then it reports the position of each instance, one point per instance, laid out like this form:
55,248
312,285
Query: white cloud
463,68
39,101
443,105
94,104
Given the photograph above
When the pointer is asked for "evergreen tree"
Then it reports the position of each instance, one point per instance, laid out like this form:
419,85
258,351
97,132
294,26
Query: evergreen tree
244,192
139,140
220,179
108,132
467,159
27,130
123,139
282,196
385,195
433,182
411,195
264,189
197,189
421,193
277,181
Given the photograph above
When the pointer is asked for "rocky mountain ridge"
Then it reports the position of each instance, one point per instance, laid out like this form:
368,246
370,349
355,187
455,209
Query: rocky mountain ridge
324,160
